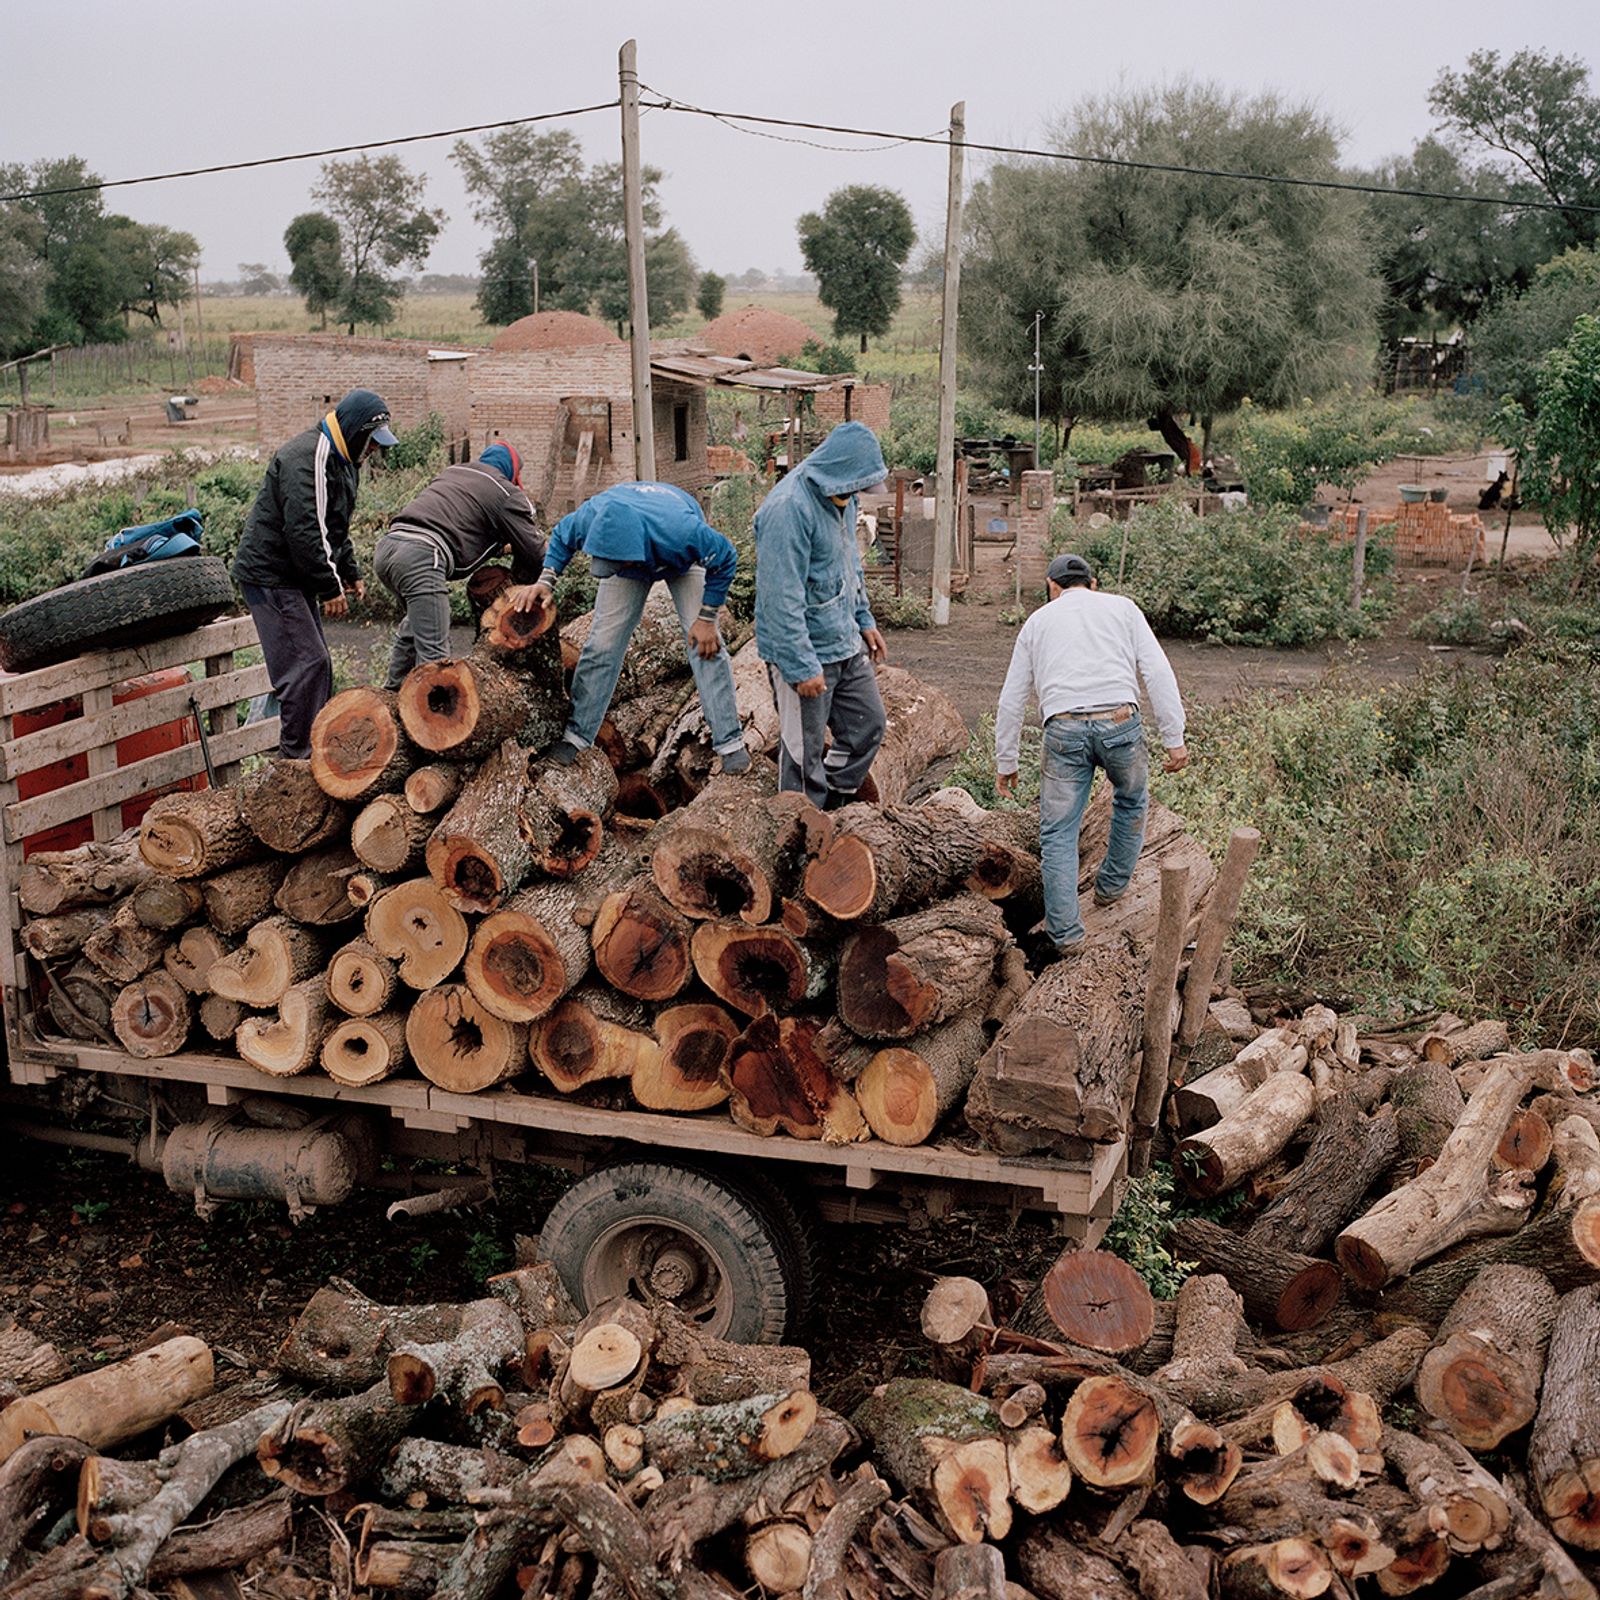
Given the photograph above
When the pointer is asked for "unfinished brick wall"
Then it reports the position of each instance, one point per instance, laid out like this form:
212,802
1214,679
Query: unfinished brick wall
1032,509
674,403
869,403
1425,535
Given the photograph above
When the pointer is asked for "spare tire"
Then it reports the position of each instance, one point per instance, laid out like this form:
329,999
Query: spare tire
154,600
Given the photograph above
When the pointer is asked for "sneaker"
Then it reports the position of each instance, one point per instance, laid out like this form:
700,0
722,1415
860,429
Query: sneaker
562,753
1101,898
735,761
1066,951
838,799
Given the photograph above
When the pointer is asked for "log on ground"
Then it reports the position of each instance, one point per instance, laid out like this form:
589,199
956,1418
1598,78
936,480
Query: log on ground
1281,1288
1564,1448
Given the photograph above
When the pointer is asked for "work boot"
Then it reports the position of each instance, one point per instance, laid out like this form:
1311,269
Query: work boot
1101,898
735,761
839,798
562,753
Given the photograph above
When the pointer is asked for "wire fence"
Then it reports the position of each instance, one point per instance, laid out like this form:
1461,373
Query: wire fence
143,361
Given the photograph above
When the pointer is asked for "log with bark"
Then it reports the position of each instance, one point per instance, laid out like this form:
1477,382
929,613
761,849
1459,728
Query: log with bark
905,1091
957,1320
525,636
151,1016
429,790
54,938
640,943
197,831
289,811
778,1081
414,925
365,1049
685,757
1280,1288
388,835
460,1045
1212,1161
1206,1101
478,855
123,948
315,889
92,874
1564,1447
361,982
591,1036
80,1002
529,953
167,903
756,970
290,1041
358,747
686,1073
276,955
717,856
1090,1298
467,708
563,812
1476,1042
326,1447
1428,1103
922,727
192,957
242,896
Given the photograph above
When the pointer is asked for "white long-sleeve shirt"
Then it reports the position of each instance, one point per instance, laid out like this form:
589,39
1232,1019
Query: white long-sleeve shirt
1085,651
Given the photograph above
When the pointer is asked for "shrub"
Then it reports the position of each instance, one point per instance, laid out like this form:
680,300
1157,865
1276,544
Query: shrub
974,772
898,610
421,446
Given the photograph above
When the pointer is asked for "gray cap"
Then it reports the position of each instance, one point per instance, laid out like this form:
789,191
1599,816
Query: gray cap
1069,566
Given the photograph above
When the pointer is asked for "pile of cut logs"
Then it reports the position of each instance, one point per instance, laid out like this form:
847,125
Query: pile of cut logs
426,892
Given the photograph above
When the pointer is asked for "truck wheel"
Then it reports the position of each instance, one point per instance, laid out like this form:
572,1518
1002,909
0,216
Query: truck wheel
666,1233
134,605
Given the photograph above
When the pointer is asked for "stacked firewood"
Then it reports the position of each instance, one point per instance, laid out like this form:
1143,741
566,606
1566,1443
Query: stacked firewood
425,893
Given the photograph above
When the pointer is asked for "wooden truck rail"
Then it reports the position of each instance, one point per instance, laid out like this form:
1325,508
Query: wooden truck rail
865,1181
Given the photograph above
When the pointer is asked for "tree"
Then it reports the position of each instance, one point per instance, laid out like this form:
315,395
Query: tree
856,247
159,264
23,274
669,276
377,205
1533,112
316,266
709,295
1513,337
257,278
1162,292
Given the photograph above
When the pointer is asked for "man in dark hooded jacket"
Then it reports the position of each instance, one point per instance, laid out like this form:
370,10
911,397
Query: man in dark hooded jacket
466,515
814,625
295,555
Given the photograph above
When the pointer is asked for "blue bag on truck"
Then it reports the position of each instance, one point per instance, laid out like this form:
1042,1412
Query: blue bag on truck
178,535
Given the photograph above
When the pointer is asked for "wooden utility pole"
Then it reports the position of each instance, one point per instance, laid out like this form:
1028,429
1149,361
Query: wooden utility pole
944,510
199,318
1358,561
644,426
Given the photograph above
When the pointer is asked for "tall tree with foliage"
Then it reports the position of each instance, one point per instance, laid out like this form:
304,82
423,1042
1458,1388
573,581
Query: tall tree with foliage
1162,292
159,263
383,225
23,274
316,262
1513,337
857,246
709,295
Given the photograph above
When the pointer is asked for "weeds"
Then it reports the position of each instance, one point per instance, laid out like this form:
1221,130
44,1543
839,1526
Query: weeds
898,610
485,1256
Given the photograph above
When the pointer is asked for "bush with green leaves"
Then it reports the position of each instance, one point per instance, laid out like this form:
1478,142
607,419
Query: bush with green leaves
1286,455
975,771
897,610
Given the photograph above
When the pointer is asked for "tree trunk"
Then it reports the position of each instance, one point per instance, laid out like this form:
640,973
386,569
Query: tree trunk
1062,1065
1349,1153
1205,1102
945,1446
220,1017
237,899
1295,1568
463,1368
525,956
1428,1104
641,945
466,709
526,637
429,790
365,1049
342,1340
289,812
461,1046
167,903
1213,1161
1091,1299
1475,1043
755,970
778,1082
686,1073
196,831
123,948
54,938
361,983
881,862
389,836
413,924
276,955
572,1046
1055,1566
335,1443
91,875
731,1440
316,890
1459,1197
290,1042
906,1091
563,812
1280,1287
478,855
1110,1432
899,977
1473,1513
80,1002
922,726
1564,1449
114,1402
151,1016
710,858
686,757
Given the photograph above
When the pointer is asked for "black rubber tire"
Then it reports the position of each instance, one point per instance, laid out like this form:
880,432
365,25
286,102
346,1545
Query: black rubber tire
741,1234
794,1227
153,600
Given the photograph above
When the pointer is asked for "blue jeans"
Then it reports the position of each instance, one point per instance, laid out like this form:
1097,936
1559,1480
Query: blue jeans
1073,748
618,606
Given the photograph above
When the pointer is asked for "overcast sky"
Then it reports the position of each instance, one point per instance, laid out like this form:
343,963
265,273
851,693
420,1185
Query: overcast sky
177,83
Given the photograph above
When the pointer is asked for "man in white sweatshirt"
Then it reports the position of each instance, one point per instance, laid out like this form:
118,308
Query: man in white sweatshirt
1082,656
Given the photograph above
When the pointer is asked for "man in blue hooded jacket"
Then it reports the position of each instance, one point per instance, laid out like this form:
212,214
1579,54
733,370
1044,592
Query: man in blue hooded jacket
814,627
635,534
295,556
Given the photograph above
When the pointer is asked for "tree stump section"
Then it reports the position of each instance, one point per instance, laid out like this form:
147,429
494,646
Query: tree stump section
459,1045
641,945
1089,1298
525,956
756,970
685,1074
291,1042
365,1049
289,811
361,983
477,855
238,899
1110,1431
358,748
151,1016
563,812
906,1091
389,836
276,955
429,790
315,890
466,709
195,832
1280,1288
1211,1162
414,925
573,1045
1564,1448
778,1081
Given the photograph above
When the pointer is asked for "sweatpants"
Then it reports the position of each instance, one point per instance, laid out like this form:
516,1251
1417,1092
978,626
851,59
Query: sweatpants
850,708
289,625
415,570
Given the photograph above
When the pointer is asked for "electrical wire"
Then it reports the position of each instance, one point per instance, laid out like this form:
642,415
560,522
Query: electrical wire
667,103
309,155
730,119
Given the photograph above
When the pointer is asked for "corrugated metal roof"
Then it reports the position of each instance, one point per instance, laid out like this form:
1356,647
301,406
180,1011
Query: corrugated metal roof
702,367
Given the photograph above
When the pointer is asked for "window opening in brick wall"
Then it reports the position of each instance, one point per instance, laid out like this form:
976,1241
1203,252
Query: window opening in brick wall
680,433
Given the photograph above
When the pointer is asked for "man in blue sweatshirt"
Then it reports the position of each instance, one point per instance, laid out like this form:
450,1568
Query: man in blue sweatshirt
814,628
636,533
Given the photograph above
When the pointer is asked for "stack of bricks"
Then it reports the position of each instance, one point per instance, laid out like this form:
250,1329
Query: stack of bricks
1428,534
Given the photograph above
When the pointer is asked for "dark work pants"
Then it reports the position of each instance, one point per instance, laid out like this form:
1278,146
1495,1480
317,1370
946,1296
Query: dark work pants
851,709
289,625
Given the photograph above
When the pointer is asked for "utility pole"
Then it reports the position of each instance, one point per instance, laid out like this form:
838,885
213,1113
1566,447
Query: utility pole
1037,369
199,320
944,508
536,287
644,424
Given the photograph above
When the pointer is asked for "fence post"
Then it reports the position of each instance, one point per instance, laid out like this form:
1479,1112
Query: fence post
1358,561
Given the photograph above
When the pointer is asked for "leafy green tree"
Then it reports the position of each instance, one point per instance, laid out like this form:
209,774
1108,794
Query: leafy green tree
383,225
23,274
669,276
159,264
257,278
1511,340
1533,115
709,295
316,266
1161,292
857,246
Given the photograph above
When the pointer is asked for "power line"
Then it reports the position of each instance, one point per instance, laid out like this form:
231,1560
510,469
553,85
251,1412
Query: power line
309,155
729,119
667,103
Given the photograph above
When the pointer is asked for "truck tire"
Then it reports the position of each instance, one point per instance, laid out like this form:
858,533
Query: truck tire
662,1232
154,600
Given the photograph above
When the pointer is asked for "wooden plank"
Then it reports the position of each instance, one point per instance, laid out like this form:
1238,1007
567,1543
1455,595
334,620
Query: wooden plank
13,965
222,717
26,817
106,726
102,758
30,690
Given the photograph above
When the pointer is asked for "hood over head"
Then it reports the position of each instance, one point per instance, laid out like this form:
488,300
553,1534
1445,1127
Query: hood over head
362,416
846,462
505,460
